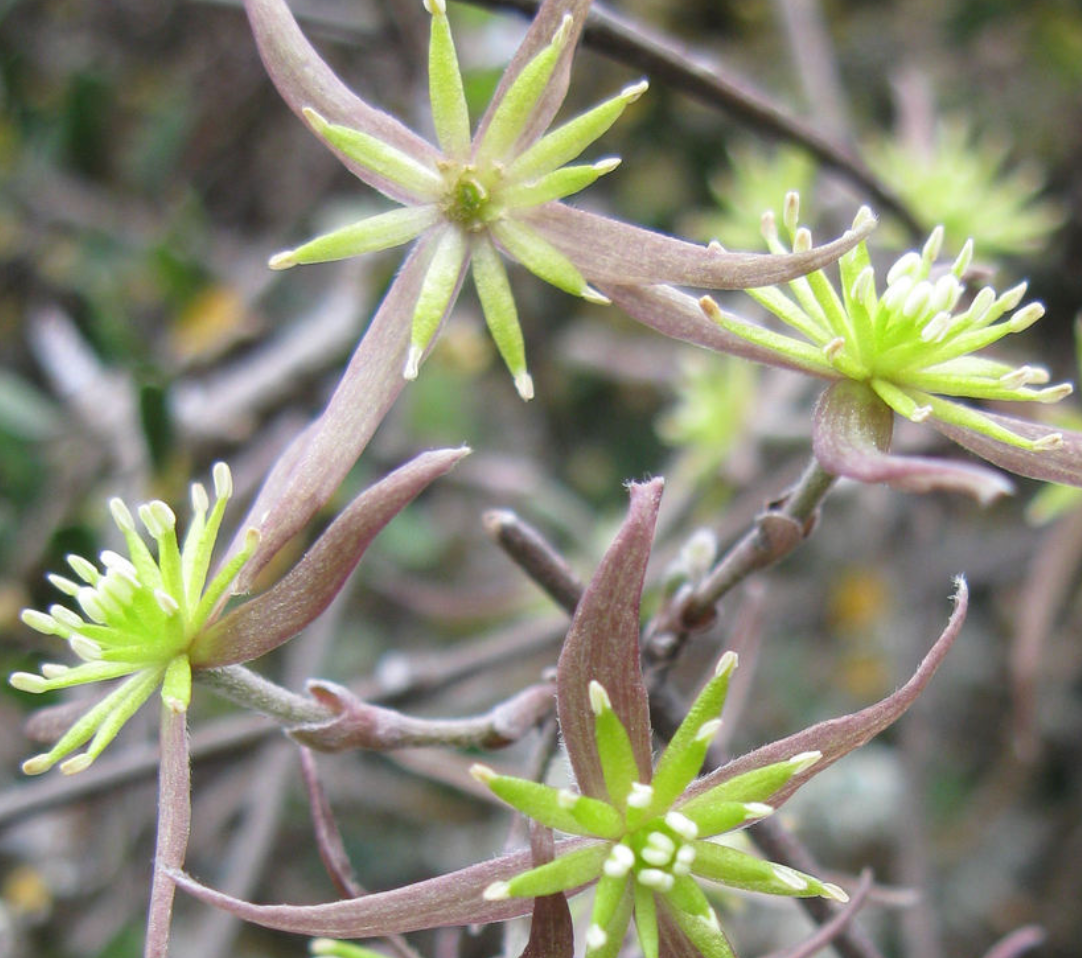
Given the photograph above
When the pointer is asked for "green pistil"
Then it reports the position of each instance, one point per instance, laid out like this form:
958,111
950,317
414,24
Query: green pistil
468,202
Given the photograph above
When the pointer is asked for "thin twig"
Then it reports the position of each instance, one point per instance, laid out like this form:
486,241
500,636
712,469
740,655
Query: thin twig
530,551
1017,942
629,42
826,933
780,845
776,532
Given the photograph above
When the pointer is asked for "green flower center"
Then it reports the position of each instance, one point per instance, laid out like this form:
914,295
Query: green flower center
469,200
657,852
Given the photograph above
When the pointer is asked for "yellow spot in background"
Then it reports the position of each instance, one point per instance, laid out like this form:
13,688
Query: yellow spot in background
26,892
215,319
859,603
857,600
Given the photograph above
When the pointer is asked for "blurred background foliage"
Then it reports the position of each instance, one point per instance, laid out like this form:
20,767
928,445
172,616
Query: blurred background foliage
147,170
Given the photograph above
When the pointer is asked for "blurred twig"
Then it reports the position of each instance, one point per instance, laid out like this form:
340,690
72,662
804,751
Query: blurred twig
637,46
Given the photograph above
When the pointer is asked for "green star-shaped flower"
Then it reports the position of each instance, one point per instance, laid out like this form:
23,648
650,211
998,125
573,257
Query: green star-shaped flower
912,345
653,839
139,618
468,196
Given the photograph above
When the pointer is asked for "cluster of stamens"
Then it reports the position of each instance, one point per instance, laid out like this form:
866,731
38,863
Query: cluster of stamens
140,615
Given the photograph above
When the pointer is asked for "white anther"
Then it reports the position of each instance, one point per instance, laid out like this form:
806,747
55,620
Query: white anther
682,825
655,856
524,385
223,480
804,760
592,295
596,938
726,664
166,602
768,226
907,265
562,31
121,515
413,362
92,604
200,501
964,258
83,568
917,299
789,877
791,210
757,809
54,670
599,698
832,891
87,649
497,891
834,347
28,682
158,518
1053,440
1055,393
865,217
1025,376
708,730
937,327
930,253
896,291
864,285
65,616
115,562
436,7
1025,317
802,240
1008,300
945,293
482,773
634,90
656,879
982,302
714,246
685,855
639,795
76,764
620,861
567,799
606,165
283,260
63,585
921,414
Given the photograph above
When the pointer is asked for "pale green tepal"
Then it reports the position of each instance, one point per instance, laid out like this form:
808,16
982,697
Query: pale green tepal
653,840
139,618
468,202
912,345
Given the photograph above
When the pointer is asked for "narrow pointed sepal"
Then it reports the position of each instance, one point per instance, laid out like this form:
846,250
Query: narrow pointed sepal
566,142
1058,462
383,231
540,257
737,869
501,315
438,288
446,94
